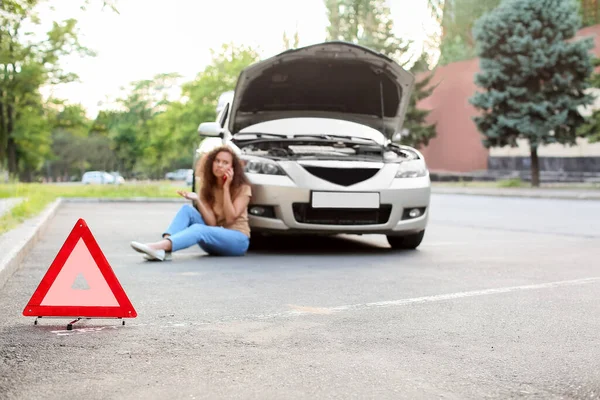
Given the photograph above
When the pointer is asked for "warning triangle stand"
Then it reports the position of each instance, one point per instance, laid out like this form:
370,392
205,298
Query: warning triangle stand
80,283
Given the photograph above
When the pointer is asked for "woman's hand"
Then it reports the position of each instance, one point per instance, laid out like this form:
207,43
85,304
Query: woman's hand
229,175
188,195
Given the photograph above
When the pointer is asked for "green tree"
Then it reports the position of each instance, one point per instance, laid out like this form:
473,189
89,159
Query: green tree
150,134
129,130
534,77
369,23
591,128
25,66
177,127
69,126
458,19
419,132
590,12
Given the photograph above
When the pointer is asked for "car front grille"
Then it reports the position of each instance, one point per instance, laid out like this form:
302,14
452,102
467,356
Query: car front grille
342,176
304,213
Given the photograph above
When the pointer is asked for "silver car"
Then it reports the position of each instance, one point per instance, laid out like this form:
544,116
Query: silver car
313,126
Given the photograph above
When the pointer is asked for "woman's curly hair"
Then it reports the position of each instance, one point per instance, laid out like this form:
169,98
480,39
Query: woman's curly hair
209,180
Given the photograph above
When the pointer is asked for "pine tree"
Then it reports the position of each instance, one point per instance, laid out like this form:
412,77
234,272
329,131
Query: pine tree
591,128
533,74
419,133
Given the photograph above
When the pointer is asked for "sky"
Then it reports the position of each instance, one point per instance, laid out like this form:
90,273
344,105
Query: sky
149,37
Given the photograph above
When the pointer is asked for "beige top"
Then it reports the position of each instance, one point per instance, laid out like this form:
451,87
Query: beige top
241,223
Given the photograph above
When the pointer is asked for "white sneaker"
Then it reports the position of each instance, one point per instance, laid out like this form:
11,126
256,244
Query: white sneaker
158,255
168,257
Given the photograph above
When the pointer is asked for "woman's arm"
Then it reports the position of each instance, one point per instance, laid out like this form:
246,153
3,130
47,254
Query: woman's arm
234,208
207,213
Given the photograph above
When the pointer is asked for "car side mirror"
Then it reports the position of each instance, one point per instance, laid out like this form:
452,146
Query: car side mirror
212,129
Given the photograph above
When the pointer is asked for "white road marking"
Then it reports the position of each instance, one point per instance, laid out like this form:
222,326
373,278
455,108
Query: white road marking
441,297
309,310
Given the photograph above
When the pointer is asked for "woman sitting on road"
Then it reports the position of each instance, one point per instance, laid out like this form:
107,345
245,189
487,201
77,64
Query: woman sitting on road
220,226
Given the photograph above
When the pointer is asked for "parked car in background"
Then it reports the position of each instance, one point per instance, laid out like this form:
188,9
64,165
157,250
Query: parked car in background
98,177
118,178
179,175
314,127
189,179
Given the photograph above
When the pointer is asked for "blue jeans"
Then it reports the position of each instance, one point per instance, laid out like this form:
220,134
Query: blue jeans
188,228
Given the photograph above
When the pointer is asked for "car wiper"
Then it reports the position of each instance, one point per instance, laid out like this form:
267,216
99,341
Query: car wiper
335,137
259,134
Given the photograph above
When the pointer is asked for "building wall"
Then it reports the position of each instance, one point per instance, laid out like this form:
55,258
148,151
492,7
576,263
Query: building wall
458,145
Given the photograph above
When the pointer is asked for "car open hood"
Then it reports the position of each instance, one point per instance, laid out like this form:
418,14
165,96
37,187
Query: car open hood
335,80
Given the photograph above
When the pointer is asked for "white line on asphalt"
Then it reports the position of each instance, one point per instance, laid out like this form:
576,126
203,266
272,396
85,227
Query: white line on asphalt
442,297
306,310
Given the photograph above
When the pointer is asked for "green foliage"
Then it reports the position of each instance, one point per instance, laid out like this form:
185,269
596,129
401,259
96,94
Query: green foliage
151,133
591,128
25,67
38,196
589,11
369,23
455,49
510,183
130,130
458,20
533,77
173,129
419,132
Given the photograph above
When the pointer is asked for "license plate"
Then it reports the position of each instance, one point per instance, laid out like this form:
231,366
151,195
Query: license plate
344,200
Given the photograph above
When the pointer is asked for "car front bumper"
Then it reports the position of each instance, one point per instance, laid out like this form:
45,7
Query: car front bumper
292,211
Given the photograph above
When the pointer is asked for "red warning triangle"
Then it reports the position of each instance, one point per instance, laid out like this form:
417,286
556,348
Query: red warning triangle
80,262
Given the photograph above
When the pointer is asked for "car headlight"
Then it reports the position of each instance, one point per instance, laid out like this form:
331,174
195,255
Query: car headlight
262,166
411,169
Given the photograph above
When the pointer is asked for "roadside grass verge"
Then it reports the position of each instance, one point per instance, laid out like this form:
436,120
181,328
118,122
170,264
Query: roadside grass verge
37,196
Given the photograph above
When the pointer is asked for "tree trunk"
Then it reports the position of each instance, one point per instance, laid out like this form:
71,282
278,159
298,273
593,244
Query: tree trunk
13,162
535,168
3,134
11,145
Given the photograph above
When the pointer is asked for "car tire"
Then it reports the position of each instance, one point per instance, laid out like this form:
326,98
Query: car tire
408,242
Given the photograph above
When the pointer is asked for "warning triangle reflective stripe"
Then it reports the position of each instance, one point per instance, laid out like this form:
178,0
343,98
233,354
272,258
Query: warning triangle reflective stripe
80,283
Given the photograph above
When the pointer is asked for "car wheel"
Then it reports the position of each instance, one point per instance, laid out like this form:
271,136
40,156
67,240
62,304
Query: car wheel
408,242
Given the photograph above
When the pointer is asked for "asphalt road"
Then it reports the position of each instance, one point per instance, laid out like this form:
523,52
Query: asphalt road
500,301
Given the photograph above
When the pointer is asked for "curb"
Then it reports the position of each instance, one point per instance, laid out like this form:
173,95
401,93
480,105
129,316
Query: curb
593,195
26,235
